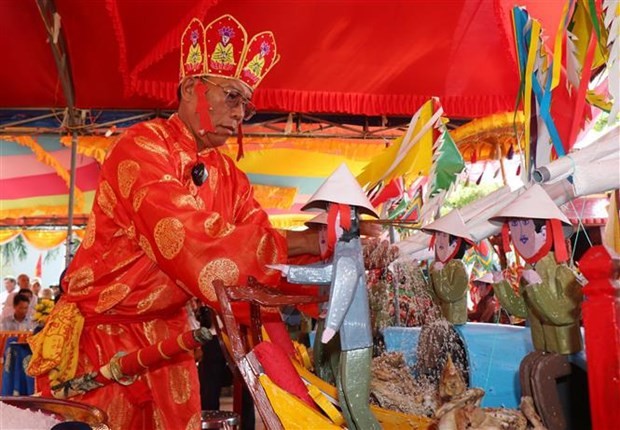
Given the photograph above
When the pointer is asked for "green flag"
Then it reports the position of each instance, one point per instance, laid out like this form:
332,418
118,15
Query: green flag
447,163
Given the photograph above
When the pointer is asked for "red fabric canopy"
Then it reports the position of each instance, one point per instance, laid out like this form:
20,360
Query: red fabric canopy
374,57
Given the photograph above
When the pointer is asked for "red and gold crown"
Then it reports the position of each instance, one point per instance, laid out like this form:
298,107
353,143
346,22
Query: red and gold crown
222,49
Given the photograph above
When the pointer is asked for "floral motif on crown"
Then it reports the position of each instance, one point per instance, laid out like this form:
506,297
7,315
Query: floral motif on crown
222,49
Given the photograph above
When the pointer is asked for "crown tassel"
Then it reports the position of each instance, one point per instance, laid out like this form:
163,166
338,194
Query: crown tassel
240,152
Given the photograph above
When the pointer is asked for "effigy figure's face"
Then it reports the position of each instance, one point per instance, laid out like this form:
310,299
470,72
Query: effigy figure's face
527,239
446,246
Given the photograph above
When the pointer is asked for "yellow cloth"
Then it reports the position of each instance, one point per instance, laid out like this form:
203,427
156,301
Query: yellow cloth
55,348
292,412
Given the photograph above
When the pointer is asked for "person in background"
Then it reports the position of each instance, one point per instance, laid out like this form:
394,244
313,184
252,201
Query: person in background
35,286
486,305
19,320
171,214
10,284
7,310
47,293
23,281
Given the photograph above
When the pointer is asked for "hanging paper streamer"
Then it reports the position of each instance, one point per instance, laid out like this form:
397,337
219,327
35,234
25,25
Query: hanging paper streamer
537,83
611,21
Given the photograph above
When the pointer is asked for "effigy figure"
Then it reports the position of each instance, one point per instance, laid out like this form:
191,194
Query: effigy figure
549,294
448,275
347,312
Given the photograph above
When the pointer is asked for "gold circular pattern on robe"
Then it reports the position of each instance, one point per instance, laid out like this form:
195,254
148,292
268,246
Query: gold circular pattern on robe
146,303
182,200
125,262
185,159
146,247
223,269
158,419
118,410
138,197
127,173
249,214
131,231
111,296
156,330
213,177
194,422
178,384
80,279
200,202
89,235
169,178
106,199
169,236
110,330
150,146
157,129
267,252
215,226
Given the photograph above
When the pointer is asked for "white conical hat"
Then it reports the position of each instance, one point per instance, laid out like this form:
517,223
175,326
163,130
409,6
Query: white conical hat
487,277
452,224
341,187
534,203
320,219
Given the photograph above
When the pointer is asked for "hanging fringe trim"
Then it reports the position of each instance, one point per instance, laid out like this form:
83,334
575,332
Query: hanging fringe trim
203,106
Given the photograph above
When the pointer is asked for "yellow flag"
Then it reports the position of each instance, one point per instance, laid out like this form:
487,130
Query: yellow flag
411,157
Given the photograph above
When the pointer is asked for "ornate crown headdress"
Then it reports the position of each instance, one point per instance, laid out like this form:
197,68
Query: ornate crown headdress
222,49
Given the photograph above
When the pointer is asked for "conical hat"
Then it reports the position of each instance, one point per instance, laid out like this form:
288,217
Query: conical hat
341,187
452,224
534,203
320,219
487,277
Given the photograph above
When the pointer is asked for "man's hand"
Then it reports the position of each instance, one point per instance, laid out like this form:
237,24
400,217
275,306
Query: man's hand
284,268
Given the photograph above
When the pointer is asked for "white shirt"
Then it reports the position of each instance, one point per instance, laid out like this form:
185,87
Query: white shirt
11,324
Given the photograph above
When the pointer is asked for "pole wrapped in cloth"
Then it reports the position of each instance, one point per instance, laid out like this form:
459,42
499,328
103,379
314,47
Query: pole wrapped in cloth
125,368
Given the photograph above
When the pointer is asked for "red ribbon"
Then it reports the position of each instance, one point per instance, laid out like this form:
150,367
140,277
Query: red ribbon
506,237
203,106
431,245
345,221
559,244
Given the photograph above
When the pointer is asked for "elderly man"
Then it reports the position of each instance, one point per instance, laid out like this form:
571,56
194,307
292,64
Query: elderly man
171,215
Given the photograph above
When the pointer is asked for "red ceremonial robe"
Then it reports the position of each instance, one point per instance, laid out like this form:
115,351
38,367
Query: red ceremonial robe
154,239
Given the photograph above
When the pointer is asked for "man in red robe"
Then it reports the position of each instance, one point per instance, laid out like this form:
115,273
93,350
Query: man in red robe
171,215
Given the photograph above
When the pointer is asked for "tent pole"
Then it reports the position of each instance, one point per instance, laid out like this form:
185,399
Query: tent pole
58,45
69,243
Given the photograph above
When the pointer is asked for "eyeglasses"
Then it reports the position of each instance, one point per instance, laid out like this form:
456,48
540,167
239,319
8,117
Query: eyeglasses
234,98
